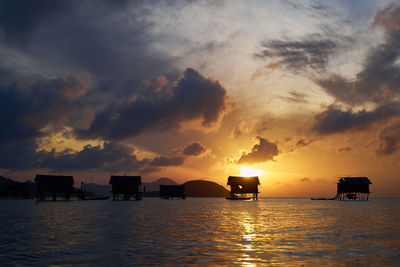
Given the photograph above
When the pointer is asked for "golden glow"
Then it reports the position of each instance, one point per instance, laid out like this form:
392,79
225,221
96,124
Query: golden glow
248,238
246,171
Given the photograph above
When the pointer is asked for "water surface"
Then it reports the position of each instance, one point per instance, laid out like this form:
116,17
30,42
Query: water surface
201,231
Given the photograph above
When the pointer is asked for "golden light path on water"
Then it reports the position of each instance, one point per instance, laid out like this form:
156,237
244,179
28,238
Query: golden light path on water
248,237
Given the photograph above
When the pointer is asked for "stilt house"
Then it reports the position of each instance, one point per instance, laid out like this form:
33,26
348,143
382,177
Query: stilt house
172,191
53,184
15,190
242,186
126,186
353,188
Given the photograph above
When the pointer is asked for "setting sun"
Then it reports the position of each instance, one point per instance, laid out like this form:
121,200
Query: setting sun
246,171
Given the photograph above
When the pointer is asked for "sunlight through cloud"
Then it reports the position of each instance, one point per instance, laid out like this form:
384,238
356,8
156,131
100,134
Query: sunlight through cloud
246,171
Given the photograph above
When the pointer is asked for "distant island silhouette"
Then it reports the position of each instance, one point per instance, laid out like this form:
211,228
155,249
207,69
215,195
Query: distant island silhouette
194,188
203,188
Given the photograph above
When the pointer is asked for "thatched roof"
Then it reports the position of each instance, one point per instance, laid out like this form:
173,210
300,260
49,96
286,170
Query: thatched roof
354,180
233,180
125,180
54,179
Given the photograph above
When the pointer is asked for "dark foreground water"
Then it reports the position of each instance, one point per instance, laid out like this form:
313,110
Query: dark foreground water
200,231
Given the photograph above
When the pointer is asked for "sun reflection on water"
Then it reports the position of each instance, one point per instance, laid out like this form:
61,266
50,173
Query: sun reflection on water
248,237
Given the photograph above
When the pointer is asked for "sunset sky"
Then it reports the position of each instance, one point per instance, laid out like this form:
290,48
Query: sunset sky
297,92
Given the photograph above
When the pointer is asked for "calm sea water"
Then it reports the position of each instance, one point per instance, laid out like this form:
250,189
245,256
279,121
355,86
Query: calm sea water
200,231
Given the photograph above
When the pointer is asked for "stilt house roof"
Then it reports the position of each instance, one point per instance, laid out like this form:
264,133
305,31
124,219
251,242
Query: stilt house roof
54,179
353,185
354,180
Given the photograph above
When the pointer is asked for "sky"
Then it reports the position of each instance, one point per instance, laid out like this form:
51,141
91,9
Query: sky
296,92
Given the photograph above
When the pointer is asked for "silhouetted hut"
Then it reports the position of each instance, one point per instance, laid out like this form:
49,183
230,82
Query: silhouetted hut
171,191
15,190
353,188
128,186
242,186
54,184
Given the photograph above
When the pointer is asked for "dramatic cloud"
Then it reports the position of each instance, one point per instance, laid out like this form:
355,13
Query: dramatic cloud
388,18
111,44
261,152
310,53
240,129
25,109
192,97
194,149
376,84
389,140
298,142
378,81
295,97
257,126
335,120
111,157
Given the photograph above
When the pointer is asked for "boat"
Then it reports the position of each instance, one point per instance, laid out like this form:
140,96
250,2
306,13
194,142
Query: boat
238,198
323,198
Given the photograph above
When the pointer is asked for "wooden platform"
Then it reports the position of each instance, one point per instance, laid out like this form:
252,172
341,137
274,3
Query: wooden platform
238,198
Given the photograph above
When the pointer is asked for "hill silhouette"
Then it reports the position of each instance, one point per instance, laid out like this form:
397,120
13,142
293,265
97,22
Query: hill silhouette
155,185
104,190
194,188
202,188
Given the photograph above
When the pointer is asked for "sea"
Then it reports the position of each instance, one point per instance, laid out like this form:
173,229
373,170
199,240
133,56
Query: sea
200,231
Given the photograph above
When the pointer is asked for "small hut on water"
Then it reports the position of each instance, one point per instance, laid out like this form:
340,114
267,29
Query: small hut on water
353,188
53,184
172,191
127,186
15,190
242,186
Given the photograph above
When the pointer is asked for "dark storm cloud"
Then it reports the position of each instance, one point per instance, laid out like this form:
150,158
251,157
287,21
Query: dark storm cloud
25,109
194,149
335,120
111,157
192,97
378,81
19,155
389,140
311,52
261,152
42,42
19,18
110,40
